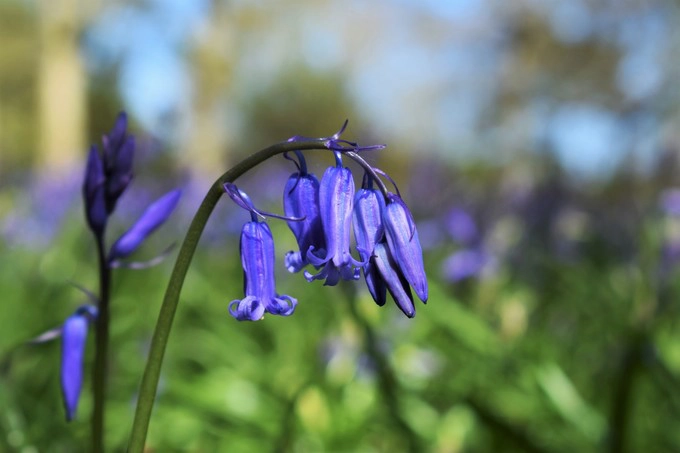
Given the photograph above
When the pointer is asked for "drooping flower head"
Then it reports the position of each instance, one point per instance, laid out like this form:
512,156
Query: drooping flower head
336,200
301,200
257,260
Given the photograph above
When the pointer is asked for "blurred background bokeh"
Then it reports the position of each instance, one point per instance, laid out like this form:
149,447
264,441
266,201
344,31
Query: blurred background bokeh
536,142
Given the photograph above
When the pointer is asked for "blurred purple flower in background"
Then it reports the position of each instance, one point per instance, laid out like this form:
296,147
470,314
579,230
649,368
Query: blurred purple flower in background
461,226
465,263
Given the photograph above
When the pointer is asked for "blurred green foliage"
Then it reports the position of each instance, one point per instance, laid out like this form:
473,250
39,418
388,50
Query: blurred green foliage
570,344
498,364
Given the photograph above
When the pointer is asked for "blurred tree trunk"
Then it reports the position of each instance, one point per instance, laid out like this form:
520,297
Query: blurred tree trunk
206,150
61,87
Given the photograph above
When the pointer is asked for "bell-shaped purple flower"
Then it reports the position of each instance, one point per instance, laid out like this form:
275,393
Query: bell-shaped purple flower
153,217
118,154
404,245
94,192
391,276
257,259
336,200
73,341
368,231
301,200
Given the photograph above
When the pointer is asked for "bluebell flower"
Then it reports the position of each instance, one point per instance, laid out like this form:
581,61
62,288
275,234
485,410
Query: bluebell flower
404,245
368,231
73,341
153,217
257,259
301,200
336,200
391,276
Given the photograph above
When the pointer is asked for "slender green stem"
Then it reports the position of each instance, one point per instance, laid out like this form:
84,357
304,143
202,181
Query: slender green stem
159,340
102,347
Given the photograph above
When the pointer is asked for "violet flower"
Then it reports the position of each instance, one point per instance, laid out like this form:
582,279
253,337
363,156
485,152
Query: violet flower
393,279
368,231
301,200
404,245
336,200
257,259
73,341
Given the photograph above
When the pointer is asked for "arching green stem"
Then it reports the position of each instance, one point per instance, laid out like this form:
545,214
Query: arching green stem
149,385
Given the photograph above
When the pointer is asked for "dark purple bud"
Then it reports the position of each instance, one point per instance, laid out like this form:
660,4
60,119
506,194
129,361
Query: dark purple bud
336,200
94,192
301,200
402,238
368,231
393,279
121,172
116,137
118,153
73,341
153,217
257,259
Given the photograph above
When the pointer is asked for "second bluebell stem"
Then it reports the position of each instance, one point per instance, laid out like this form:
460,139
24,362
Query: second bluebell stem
99,372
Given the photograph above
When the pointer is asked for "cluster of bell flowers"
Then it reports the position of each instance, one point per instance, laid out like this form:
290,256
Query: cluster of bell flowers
321,215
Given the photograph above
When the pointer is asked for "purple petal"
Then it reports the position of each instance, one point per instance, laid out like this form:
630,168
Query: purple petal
394,280
301,200
247,309
93,192
257,260
154,216
115,138
402,238
368,230
120,174
336,200
73,340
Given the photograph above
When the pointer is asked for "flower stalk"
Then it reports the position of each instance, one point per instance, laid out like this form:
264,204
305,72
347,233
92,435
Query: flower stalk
101,350
149,384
